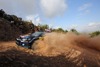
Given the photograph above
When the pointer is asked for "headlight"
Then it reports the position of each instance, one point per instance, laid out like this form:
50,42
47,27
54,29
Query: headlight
23,44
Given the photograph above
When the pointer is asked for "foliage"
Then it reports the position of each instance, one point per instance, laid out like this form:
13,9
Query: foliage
12,26
96,33
74,31
60,30
43,27
66,31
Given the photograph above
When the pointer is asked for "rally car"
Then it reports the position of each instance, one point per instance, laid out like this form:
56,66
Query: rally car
27,40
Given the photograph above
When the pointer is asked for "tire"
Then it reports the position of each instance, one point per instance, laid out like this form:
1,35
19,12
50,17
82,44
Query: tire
33,45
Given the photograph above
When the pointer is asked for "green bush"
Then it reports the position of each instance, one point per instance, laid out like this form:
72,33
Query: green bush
96,33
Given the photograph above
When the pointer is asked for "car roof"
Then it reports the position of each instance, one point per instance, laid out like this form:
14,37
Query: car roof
37,33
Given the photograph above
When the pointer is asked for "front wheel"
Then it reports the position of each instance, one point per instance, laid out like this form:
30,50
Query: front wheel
33,47
29,47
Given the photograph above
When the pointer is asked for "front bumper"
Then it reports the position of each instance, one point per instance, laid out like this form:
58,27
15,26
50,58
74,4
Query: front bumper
23,44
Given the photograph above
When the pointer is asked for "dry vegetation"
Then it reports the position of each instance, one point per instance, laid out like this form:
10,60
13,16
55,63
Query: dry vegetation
55,50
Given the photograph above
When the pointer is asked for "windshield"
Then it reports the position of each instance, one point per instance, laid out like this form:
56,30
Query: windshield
37,33
25,37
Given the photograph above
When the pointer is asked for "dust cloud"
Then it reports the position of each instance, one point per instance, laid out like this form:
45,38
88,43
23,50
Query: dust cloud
57,49
61,43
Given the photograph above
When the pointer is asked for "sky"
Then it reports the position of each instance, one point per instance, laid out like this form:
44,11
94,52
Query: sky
82,15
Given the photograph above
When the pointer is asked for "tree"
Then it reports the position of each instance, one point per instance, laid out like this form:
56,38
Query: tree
2,12
43,27
60,30
74,31
96,33
66,31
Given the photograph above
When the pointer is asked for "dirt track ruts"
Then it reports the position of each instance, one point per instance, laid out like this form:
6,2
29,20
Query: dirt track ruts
14,56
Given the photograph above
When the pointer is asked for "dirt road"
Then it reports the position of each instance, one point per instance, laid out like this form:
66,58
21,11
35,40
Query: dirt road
46,54
12,55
